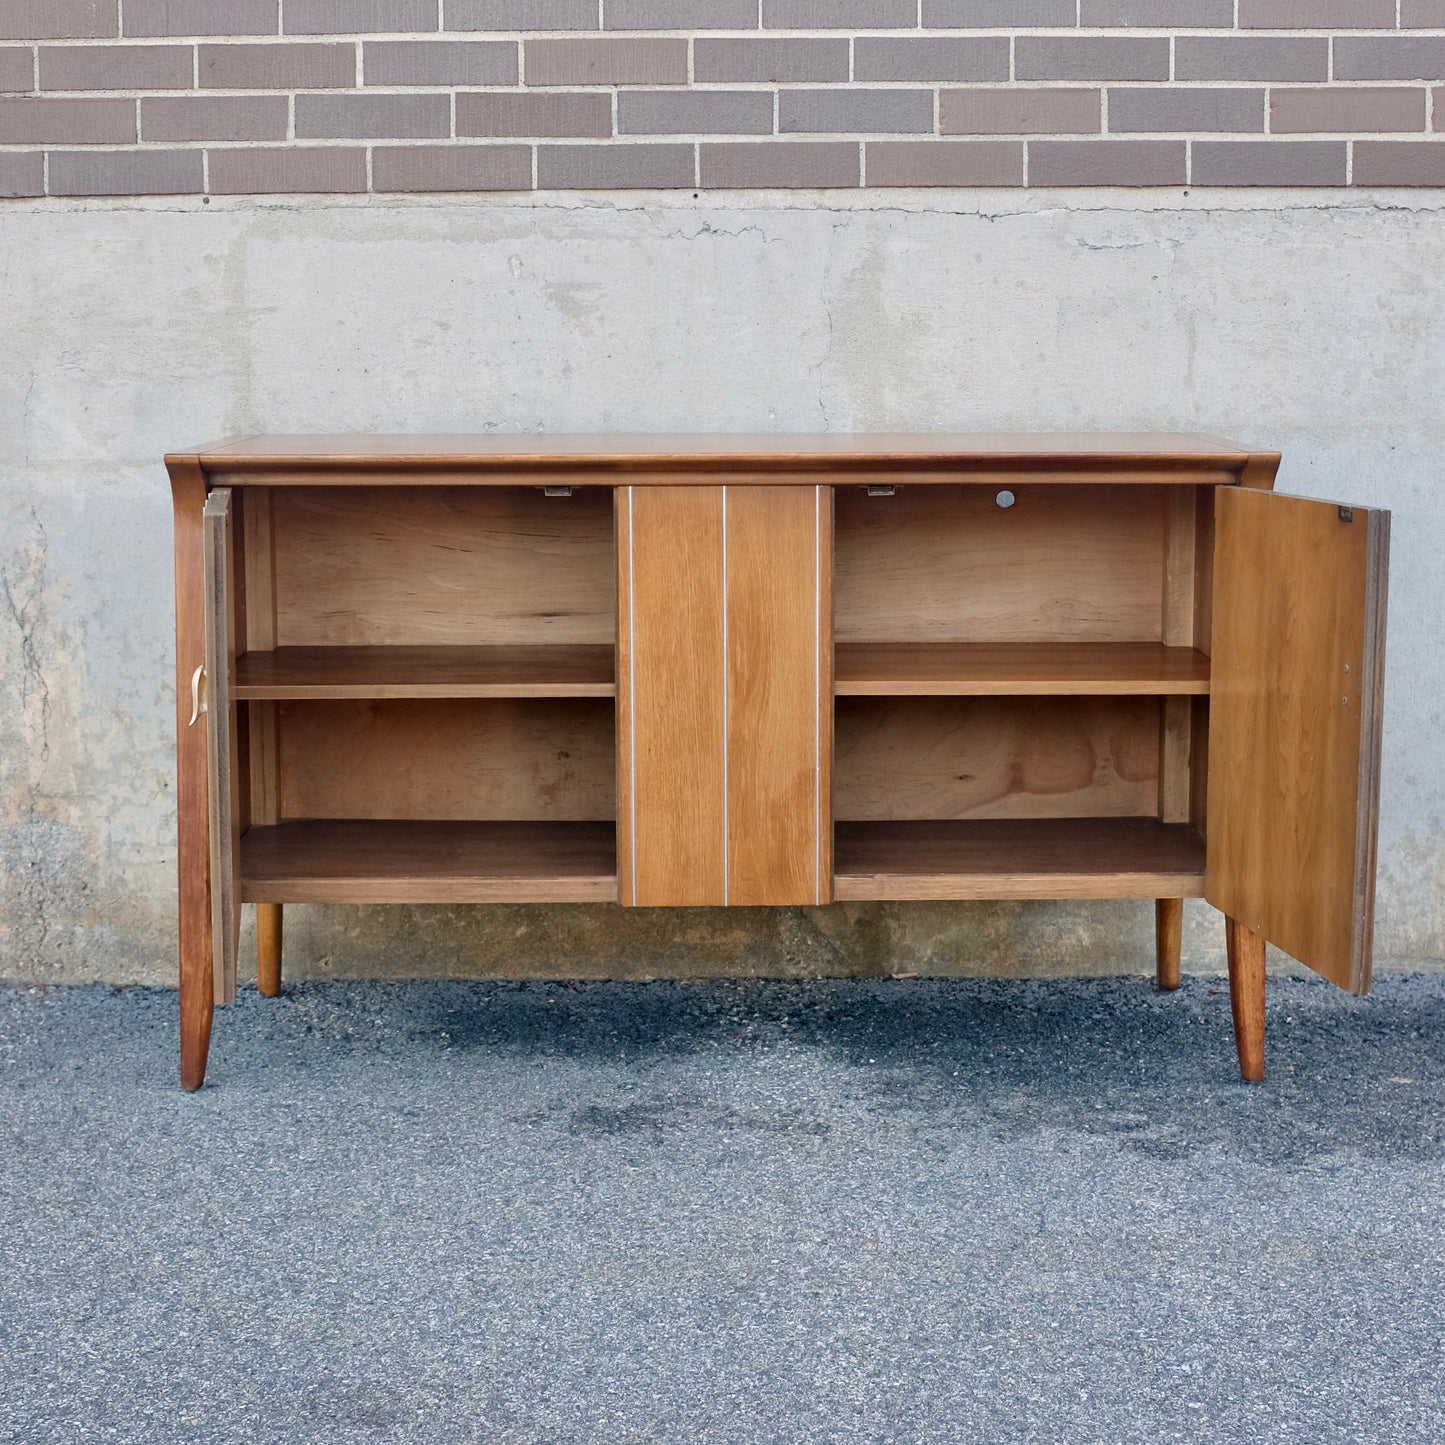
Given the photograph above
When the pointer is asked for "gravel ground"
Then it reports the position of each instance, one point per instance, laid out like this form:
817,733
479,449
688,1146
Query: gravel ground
896,1211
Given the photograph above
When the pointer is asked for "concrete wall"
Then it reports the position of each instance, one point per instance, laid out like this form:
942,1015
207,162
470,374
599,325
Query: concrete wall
1309,321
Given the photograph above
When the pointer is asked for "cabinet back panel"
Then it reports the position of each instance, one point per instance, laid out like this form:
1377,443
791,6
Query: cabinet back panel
995,757
532,759
948,564
390,566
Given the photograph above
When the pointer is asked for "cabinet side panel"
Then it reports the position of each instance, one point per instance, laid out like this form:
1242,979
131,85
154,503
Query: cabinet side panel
775,695
672,700
1294,724
258,574
193,825
223,776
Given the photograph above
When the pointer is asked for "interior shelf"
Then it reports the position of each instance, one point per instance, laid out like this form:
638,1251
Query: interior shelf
346,861
981,669
557,670
1023,858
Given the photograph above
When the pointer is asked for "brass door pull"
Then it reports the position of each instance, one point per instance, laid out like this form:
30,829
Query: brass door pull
198,703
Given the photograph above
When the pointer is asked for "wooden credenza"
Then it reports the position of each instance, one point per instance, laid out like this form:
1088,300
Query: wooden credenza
789,670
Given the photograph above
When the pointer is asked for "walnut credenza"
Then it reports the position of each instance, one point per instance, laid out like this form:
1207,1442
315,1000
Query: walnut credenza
788,670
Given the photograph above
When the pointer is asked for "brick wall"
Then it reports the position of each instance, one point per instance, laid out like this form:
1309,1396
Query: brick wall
157,97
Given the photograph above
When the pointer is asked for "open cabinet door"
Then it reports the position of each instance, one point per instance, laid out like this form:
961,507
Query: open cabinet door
221,778
1294,724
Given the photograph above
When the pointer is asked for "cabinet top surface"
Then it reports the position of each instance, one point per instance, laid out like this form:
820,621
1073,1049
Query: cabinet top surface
719,450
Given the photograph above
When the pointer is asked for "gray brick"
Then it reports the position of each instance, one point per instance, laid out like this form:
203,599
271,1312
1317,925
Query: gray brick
275,170
201,17
840,14
1399,163
440,62
116,67
521,14
1268,163
680,15
1106,163
126,173
997,14
605,62
278,67
906,58
1077,57
854,110
214,117
944,163
1158,14
1340,110
614,167
22,173
1254,57
373,117
17,69
1316,14
695,112
784,164
770,59
1416,57
588,114
67,122
351,17
58,19
1178,108
1019,111
1423,14
451,168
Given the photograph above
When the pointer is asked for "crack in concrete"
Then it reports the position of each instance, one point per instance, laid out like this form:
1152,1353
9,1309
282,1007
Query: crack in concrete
1429,202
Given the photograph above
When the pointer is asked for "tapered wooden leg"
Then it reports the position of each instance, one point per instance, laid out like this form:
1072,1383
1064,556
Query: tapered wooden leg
1246,997
1168,940
268,949
197,1005
197,981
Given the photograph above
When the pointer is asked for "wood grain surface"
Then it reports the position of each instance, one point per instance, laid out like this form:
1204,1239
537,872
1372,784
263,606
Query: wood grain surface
1294,731
734,449
193,847
1038,858
541,759
443,566
948,564
223,762
779,698
995,757
545,670
429,862
983,669
672,789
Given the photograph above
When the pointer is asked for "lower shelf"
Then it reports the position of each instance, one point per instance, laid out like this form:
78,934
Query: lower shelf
1033,858
342,861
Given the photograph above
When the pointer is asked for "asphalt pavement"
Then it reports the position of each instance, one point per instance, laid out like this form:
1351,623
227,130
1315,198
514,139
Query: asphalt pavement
912,1210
